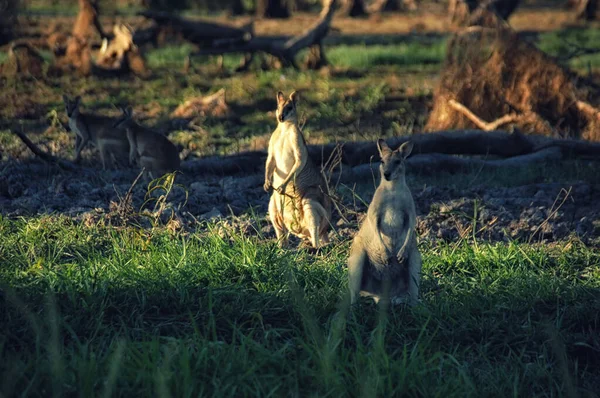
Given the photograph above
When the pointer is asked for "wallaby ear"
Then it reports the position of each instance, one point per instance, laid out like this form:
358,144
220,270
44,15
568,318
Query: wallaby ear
65,99
280,98
405,149
294,96
383,148
129,111
77,100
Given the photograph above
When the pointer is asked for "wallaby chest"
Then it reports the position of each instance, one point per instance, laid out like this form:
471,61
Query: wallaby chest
392,213
287,145
79,127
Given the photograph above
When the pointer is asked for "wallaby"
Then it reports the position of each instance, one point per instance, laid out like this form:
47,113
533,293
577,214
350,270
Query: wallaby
384,261
148,149
300,203
111,142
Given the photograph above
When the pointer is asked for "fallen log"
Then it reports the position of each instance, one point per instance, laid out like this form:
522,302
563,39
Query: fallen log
433,151
202,33
513,148
436,163
284,49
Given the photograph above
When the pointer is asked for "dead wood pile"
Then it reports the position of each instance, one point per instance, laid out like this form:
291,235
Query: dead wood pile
493,75
121,56
213,105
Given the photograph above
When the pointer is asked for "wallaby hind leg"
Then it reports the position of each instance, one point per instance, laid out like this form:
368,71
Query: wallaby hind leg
313,217
104,156
148,164
414,276
278,225
356,263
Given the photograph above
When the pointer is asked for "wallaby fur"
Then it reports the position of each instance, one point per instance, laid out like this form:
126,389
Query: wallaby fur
100,131
300,203
384,261
148,149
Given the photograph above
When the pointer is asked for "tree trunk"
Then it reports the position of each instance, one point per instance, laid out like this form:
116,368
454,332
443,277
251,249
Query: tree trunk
354,8
469,11
237,8
392,5
587,9
272,9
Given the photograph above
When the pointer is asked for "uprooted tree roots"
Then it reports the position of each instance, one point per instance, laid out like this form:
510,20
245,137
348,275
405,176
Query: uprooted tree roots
493,75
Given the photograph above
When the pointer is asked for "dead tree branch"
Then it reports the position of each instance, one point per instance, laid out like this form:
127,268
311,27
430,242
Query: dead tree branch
284,49
485,126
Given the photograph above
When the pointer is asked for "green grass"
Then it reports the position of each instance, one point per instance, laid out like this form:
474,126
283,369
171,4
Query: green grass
407,54
95,310
563,42
359,56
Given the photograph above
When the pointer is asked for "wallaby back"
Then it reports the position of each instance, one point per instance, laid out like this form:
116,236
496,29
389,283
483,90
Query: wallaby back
148,148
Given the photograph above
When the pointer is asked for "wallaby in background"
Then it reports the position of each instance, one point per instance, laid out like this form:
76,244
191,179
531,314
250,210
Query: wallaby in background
98,130
384,261
148,149
300,203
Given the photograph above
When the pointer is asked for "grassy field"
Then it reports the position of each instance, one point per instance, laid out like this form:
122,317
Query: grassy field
91,310
217,309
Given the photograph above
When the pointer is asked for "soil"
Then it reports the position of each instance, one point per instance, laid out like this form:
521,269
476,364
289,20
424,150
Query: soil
543,212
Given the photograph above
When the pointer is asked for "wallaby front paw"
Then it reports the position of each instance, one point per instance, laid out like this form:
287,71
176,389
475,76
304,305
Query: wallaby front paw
401,257
281,189
267,186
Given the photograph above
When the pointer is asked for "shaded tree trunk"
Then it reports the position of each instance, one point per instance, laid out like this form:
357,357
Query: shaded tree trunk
380,6
8,19
473,12
586,9
237,8
355,8
272,9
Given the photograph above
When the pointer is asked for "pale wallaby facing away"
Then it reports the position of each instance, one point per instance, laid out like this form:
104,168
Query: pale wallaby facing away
300,203
98,130
384,261
148,149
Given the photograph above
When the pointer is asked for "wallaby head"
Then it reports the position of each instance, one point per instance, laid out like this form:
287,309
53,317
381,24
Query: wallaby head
392,162
286,108
126,118
71,105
